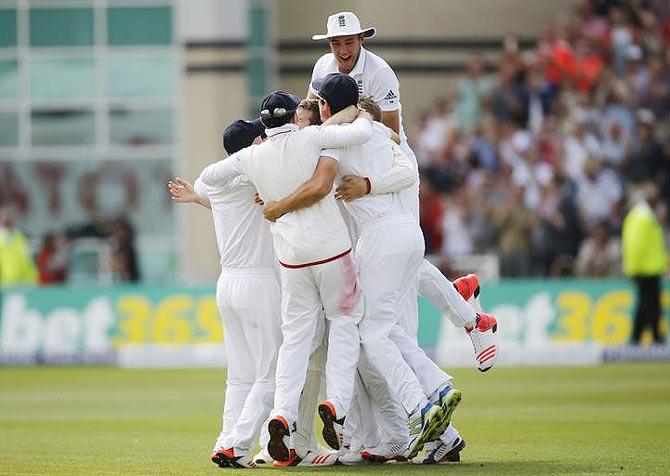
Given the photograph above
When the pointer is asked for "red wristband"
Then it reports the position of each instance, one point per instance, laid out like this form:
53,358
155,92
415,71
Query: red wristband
368,185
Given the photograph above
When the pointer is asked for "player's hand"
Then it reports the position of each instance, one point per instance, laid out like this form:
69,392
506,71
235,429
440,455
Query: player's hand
271,211
258,200
351,188
181,191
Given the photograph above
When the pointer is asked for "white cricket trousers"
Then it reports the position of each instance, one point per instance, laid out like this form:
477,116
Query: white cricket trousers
249,304
389,252
307,292
435,287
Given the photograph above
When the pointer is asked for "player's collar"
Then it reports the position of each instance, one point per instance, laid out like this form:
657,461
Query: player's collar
281,129
360,64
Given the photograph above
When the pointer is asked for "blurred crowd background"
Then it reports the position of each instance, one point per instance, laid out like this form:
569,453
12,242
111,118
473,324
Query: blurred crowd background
529,160
537,157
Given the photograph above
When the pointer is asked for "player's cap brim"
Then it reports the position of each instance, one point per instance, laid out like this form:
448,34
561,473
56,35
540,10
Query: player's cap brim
367,33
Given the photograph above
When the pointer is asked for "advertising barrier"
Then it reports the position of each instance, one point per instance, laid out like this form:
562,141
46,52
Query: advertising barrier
540,322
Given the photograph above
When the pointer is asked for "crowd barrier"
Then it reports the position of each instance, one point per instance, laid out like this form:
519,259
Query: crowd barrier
541,322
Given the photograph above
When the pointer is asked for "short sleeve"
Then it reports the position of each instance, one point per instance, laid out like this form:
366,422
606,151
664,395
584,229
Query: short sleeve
385,89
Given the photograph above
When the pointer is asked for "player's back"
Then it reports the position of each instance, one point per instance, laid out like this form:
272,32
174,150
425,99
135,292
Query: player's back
370,159
279,166
242,234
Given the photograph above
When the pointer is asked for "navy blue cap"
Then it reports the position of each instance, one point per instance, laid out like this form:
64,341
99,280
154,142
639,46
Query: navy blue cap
278,107
241,134
339,90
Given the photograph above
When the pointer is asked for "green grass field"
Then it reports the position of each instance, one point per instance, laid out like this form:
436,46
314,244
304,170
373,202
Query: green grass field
609,420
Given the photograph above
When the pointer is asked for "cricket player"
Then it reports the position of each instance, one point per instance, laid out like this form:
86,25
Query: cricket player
388,266
249,301
237,136
314,250
376,79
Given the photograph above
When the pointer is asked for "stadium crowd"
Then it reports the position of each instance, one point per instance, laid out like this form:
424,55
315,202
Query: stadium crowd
537,159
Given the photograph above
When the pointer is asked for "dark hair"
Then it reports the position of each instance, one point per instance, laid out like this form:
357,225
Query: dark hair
273,121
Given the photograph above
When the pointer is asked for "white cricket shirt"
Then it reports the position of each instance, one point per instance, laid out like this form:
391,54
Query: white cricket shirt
376,79
372,159
242,234
278,167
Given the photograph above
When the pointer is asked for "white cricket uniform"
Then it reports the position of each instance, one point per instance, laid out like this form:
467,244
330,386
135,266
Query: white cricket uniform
388,252
377,79
313,246
248,298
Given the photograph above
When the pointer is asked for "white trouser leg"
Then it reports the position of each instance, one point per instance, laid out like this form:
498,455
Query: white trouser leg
343,305
435,287
258,300
390,415
388,257
430,376
301,308
361,429
305,437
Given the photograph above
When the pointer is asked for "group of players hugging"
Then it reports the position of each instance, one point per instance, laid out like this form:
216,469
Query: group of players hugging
316,215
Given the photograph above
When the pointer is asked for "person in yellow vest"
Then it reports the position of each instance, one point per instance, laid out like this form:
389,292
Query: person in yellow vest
645,260
17,267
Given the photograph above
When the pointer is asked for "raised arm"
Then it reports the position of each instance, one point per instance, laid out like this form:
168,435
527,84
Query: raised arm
346,135
182,191
400,176
222,172
309,193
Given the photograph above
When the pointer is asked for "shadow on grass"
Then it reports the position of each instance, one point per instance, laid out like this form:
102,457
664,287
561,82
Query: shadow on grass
488,467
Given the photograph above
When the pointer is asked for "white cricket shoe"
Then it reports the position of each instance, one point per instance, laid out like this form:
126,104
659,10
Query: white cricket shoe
424,426
445,450
484,341
263,457
226,458
387,451
351,457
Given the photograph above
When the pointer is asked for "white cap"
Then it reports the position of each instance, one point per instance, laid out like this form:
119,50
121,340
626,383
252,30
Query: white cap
345,24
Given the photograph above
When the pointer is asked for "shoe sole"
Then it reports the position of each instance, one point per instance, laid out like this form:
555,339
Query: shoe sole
371,458
451,401
224,461
329,433
454,456
276,447
432,432
219,461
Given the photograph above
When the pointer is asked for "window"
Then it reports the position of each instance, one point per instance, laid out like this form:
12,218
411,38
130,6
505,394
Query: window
129,127
61,27
63,127
139,26
62,78
141,76
9,80
7,28
9,129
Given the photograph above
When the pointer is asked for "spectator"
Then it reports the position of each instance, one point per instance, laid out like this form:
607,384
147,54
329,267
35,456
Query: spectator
598,191
16,262
473,91
645,260
599,255
514,223
124,257
52,260
647,156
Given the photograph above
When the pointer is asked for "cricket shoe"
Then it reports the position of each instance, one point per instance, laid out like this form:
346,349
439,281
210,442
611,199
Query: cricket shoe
448,398
484,341
279,446
226,458
468,287
312,458
438,452
333,428
424,426
351,457
262,457
388,451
